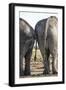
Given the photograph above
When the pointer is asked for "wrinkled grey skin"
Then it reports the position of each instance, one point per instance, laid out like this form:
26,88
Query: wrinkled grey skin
26,34
46,33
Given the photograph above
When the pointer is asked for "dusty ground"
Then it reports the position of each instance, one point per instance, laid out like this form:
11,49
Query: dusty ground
37,66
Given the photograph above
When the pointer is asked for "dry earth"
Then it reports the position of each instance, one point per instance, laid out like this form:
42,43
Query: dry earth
37,66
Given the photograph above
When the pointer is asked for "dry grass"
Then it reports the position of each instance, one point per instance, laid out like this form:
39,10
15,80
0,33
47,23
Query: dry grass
36,66
38,55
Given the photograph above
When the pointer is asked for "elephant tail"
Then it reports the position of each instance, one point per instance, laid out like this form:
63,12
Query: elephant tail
35,57
45,31
36,36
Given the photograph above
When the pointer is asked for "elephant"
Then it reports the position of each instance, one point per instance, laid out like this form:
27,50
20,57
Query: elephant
26,42
46,31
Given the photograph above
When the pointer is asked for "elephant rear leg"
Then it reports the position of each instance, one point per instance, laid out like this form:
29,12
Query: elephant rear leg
27,64
54,70
46,62
21,66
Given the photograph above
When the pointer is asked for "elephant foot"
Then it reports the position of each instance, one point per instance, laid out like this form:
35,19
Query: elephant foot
46,72
26,73
55,72
22,73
